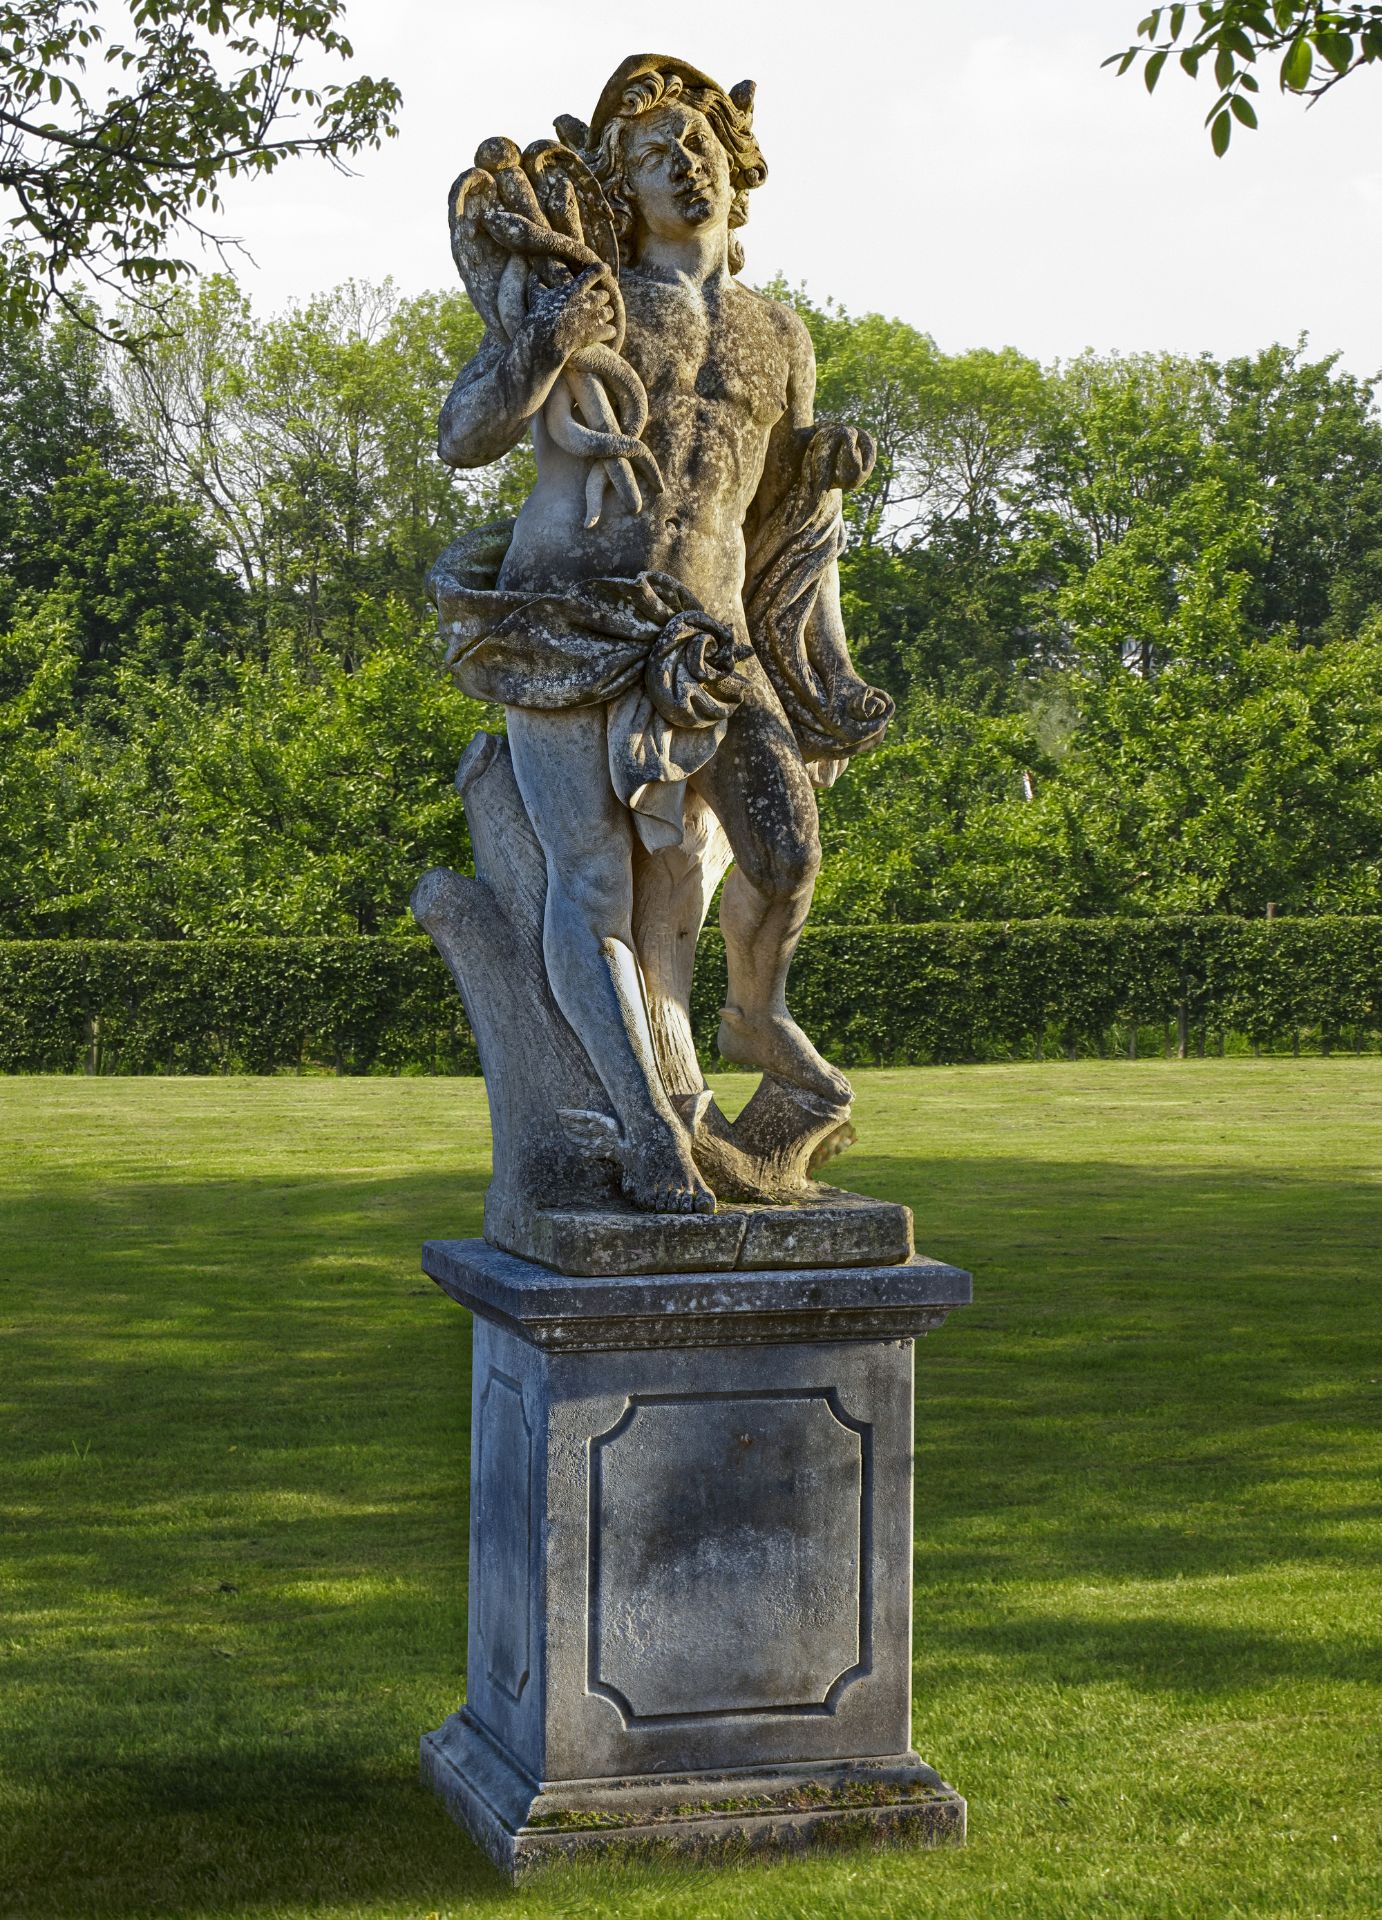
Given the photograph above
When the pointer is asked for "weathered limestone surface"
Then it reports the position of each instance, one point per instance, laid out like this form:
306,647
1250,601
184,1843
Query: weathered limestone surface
690,1551
710,1309
691,1463
661,621
556,1146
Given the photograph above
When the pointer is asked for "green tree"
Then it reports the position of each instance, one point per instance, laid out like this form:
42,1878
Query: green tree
1216,786
1127,438
933,579
954,432
110,178
139,579
925,828
81,518
1177,587
312,798
1223,784
1310,435
66,822
1319,45
54,400
1120,434
299,798
308,442
1131,608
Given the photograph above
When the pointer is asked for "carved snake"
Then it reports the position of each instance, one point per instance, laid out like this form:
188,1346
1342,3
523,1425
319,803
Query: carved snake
542,242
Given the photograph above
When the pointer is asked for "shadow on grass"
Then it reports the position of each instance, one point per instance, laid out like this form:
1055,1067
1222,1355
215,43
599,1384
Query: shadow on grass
1156,1652
221,1833
235,1515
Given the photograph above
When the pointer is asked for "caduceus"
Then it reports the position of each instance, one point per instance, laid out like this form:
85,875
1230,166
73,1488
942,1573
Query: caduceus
522,222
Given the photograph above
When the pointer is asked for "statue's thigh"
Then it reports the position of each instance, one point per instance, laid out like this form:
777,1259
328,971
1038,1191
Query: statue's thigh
561,764
757,782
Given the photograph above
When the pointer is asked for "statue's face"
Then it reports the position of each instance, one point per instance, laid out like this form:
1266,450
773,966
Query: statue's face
676,173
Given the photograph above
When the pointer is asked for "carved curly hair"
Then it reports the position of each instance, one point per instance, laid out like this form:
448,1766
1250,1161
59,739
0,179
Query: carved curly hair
731,125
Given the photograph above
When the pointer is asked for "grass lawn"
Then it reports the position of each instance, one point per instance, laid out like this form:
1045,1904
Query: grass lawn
1148,1606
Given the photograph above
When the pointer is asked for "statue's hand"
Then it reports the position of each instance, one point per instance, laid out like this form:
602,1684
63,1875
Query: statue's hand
843,456
579,313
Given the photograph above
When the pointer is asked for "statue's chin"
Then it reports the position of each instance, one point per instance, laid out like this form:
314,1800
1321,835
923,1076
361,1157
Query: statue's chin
685,217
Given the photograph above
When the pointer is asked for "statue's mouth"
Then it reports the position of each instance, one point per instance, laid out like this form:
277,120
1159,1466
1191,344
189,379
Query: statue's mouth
697,206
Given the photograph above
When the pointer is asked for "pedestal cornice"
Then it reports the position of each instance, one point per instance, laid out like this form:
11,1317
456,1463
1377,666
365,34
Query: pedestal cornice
571,1313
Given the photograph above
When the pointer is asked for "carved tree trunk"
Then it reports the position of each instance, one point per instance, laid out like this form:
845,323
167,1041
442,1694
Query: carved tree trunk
556,1144
489,932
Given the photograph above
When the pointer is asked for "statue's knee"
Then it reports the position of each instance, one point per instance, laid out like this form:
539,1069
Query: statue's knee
601,901
785,867
808,865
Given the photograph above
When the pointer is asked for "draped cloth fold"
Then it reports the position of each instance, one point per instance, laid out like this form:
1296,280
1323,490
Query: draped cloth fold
796,627
667,673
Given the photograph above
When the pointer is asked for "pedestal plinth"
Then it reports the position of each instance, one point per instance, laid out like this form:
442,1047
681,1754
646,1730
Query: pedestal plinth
690,1558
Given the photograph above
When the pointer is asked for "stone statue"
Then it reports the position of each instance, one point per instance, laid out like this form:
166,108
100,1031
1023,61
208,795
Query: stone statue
662,624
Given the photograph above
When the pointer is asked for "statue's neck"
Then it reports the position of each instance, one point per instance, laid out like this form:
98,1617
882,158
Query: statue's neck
699,257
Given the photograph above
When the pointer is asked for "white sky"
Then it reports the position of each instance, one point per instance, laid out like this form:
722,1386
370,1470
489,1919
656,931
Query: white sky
967,167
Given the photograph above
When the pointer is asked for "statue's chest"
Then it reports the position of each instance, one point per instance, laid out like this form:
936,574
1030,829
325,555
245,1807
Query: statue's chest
719,355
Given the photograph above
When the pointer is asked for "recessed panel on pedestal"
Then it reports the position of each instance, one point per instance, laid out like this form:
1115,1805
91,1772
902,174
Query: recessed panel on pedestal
729,1555
505,1534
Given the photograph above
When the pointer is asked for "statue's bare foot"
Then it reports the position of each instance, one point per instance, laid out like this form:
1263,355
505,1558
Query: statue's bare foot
660,1176
774,1043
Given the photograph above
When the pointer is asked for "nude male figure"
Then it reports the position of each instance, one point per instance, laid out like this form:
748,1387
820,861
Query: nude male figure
730,379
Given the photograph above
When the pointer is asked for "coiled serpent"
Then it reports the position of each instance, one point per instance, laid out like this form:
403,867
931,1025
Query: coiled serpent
522,222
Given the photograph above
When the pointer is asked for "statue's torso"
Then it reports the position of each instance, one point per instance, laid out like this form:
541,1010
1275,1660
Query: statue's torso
716,368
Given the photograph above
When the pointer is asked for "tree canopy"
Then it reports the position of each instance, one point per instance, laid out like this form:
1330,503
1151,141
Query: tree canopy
113,151
1130,607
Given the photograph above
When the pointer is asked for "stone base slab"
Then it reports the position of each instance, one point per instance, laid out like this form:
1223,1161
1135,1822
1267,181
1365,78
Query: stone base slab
522,1825
826,1227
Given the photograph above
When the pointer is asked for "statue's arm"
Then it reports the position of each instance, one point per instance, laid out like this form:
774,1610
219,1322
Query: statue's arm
851,449
497,393
792,433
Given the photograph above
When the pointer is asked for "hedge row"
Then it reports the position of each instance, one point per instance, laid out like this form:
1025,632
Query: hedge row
229,1006
867,995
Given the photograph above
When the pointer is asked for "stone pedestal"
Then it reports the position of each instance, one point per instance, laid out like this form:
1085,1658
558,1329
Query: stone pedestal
690,1558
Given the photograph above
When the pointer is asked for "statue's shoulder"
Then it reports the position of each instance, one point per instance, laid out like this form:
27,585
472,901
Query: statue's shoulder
783,321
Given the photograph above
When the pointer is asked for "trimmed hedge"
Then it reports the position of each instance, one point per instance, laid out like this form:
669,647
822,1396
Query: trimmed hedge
229,1006
867,995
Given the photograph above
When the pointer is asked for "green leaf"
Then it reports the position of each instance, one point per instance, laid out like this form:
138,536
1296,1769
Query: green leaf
54,89
1297,66
1221,133
1243,111
1223,68
1151,73
1337,49
1177,21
